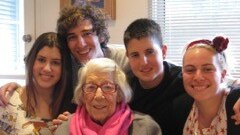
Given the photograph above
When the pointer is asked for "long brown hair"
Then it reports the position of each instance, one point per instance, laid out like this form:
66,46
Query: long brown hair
46,39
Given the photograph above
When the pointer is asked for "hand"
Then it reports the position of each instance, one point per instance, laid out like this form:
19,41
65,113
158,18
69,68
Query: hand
60,118
236,109
6,92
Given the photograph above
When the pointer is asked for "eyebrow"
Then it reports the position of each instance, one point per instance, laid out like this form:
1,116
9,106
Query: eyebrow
41,56
204,65
84,30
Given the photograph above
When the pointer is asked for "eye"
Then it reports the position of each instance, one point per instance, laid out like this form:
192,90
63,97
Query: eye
56,62
208,69
189,69
41,59
90,87
87,33
133,55
72,37
108,87
149,51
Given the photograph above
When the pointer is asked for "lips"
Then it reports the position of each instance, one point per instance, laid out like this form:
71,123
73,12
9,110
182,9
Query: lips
146,70
45,76
83,52
201,87
99,107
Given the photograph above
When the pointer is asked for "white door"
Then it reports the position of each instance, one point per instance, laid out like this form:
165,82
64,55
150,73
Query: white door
29,24
40,17
16,19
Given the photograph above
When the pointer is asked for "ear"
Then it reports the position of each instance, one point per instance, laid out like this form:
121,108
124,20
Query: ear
164,51
101,39
119,96
223,75
126,53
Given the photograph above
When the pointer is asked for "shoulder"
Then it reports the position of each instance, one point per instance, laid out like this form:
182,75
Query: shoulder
235,91
233,96
63,129
144,125
172,66
113,51
172,71
118,54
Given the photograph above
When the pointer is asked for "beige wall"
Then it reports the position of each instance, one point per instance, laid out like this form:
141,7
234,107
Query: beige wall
47,12
126,12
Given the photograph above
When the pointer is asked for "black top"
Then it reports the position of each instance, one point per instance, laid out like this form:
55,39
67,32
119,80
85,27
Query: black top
157,101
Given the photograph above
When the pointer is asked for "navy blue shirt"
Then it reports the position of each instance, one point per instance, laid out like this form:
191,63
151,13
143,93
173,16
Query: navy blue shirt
157,102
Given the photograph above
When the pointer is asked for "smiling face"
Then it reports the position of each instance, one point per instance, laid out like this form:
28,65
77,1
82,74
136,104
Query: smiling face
202,74
83,42
100,106
47,67
146,60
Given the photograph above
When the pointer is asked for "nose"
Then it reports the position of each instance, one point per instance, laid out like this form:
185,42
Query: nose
81,42
143,60
99,93
47,67
198,75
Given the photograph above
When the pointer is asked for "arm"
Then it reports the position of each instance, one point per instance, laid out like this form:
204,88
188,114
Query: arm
236,108
144,125
59,120
236,83
6,92
63,129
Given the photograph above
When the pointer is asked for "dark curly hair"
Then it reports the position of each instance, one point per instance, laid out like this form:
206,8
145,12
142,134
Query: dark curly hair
71,16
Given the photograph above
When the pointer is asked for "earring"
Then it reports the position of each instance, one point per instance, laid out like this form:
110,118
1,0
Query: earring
164,56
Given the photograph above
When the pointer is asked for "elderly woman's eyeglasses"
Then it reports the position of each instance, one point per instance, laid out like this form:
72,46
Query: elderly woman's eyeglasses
105,87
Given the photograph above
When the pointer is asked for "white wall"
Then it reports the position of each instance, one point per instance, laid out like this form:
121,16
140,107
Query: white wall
47,12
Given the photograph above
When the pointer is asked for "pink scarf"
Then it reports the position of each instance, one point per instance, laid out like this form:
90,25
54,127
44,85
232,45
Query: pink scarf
118,124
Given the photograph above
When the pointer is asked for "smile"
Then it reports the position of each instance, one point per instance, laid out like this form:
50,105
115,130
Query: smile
145,70
84,52
200,87
99,107
45,77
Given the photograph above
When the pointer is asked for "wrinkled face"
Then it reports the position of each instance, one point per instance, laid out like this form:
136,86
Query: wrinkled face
100,105
47,67
83,42
146,60
202,75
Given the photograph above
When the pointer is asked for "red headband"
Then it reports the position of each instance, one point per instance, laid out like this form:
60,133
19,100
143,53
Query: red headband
219,43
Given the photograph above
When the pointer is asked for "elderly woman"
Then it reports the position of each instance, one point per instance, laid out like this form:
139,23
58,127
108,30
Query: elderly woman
102,95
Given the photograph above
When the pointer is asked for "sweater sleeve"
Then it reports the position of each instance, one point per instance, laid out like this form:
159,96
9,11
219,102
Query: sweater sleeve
63,129
144,125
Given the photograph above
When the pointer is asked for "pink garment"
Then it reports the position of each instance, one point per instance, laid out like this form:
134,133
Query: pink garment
118,124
